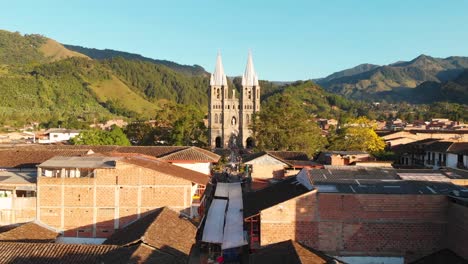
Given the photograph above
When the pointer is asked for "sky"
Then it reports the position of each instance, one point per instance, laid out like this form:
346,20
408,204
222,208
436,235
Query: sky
290,40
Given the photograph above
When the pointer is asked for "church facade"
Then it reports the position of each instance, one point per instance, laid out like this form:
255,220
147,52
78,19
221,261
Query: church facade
229,116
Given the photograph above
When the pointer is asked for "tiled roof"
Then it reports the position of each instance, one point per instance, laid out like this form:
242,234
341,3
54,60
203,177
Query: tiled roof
30,156
291,158
167,168
141,253
254,156
29,232
439,146
191,154
289,155
275,193
289,252
51,253
345,153
441,257
163,229
459,148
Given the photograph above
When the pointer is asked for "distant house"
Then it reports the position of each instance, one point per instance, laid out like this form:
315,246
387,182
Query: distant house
433,153
343,157
55,135
17,196
94,195
277,164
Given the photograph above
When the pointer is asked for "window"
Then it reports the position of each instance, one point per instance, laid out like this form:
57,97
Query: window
247,119
216,119
250,94
217,93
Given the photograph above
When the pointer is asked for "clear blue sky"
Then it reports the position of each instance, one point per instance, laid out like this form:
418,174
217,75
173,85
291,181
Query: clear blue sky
290,40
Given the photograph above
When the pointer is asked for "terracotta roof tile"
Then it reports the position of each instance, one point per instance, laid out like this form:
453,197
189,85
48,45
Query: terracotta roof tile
289,252
167,168
48,253
289,155
29,232
192,154
30,156
141,253
163,229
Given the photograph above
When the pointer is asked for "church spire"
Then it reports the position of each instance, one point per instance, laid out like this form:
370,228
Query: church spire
218,78
250,77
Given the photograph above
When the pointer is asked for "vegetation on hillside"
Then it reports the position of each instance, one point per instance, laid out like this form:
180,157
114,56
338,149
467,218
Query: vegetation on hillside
110,54
394,82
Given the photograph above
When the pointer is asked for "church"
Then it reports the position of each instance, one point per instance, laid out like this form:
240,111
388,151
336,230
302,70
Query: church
230,117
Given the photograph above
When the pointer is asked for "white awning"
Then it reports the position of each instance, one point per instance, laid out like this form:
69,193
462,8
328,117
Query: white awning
234,226
214,225
222,190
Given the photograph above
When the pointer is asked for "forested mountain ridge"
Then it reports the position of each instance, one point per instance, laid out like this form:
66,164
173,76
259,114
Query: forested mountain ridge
41,80
99,54
393,79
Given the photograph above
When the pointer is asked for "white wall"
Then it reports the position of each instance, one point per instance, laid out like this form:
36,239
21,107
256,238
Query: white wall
79,240
199,167
452,160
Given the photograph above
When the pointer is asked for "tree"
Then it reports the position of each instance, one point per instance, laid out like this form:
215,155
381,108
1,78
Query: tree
358,134
283,124
100,137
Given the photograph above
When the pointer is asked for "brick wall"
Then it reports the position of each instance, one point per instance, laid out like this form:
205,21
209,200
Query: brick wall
362,224
457,235
293,219
94,207
267,171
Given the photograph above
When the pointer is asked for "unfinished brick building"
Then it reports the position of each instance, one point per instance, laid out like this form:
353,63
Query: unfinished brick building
361,212
93,195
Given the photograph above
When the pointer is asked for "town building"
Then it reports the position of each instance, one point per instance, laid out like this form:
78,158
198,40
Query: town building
25,157
87,198
277,164
229,117
161,236
361,215
433,153
343,157
56,135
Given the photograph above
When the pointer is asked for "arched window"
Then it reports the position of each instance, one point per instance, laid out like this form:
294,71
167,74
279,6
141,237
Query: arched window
217,93
216,118
250,94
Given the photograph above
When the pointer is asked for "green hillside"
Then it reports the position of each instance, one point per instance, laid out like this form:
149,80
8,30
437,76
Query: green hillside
393,80
41,80
109,54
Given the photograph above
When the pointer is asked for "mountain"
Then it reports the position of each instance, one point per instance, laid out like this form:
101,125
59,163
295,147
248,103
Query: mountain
17,49
349,72
392,80
455,91
98,54
42,80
